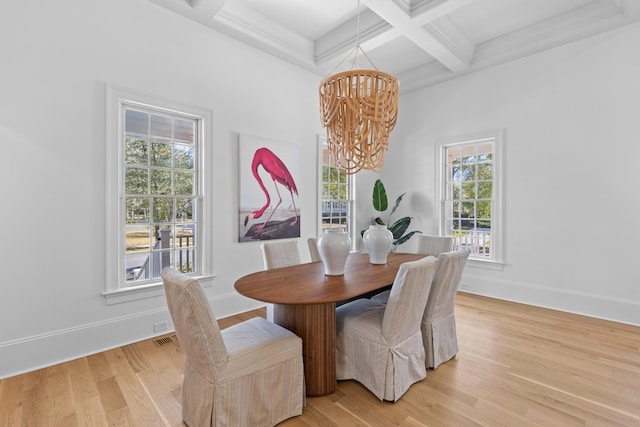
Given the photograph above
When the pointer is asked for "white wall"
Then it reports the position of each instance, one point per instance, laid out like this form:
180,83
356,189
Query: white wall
57,58
571,117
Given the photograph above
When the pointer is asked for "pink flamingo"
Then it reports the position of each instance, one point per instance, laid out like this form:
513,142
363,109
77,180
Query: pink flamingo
280,175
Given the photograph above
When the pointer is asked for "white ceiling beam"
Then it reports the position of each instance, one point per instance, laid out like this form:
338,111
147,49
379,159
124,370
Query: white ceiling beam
441,39
374,32
255,29
575,24
205,10
452,39
425,22
427,11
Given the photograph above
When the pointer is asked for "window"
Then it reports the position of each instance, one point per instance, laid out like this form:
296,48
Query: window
337,200
156,196
471,194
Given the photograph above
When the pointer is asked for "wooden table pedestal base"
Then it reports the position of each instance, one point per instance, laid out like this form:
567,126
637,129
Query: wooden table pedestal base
316,325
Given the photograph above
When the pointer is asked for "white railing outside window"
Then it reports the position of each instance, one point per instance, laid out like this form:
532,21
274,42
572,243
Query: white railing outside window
470,194
157,205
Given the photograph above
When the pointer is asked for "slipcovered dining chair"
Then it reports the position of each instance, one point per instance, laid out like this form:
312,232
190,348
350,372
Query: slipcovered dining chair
379,345
427,245
439,320
250,374
312,242
434,245
276,254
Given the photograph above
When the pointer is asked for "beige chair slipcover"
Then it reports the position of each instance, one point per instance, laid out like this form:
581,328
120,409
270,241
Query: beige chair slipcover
439,320
280,253
380,345
313,249
434,245
250,374
427,245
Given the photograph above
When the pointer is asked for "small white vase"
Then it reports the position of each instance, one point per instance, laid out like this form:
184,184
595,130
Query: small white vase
334,247
378,240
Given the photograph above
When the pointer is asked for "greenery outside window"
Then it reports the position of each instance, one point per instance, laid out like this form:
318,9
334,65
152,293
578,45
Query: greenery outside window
156,198
337,195
160,170
470,194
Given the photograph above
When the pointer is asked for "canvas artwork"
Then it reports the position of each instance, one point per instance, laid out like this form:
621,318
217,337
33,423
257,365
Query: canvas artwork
268,206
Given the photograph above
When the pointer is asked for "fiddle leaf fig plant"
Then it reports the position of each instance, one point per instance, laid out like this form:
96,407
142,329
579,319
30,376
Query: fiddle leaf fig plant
381,204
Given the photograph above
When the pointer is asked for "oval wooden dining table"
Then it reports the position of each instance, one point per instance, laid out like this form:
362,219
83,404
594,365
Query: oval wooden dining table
305,300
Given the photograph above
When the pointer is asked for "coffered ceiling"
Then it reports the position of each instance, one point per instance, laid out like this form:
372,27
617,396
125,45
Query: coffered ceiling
421,42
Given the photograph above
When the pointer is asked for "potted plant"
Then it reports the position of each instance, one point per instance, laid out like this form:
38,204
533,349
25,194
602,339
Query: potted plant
399,227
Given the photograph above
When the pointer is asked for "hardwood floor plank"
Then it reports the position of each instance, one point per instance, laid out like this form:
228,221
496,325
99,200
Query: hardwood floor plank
83,386
580,406
11,404
518,366
136,357
164,389
139,403
60,403
91,413
335,411
99,367
111,395
142,409
34,392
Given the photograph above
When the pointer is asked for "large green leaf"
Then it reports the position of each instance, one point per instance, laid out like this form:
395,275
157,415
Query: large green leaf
405,237
398,200
380,202
400,226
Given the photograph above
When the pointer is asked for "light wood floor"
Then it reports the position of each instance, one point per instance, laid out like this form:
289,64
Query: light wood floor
517,366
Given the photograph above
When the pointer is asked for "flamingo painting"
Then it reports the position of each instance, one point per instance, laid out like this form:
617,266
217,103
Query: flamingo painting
280,175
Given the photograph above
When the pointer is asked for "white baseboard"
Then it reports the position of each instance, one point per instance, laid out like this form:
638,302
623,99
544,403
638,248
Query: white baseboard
598,306
40,351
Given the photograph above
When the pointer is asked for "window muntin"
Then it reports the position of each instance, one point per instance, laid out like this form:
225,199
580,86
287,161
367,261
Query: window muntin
470,198
160,183
337,198
187,130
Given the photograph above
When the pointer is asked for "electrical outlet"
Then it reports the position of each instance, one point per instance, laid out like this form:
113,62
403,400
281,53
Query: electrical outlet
161,326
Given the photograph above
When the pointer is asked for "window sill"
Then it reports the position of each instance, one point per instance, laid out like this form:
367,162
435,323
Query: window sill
485,264
151,290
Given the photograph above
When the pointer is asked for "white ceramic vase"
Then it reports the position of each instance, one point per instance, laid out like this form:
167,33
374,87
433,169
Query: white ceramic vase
334,247
378,240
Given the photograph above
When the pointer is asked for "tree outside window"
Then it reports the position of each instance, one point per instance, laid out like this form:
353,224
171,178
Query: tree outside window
160,180
470,187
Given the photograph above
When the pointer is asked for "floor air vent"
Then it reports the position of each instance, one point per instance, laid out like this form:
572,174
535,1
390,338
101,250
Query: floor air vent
165,340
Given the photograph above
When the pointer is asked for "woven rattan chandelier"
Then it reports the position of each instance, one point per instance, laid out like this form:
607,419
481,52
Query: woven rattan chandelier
359,108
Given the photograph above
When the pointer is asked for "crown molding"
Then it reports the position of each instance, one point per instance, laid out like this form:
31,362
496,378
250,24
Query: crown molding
576,24
254,29
425,22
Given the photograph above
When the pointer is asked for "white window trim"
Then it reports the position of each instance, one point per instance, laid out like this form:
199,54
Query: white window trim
322,140
115,98
497,214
